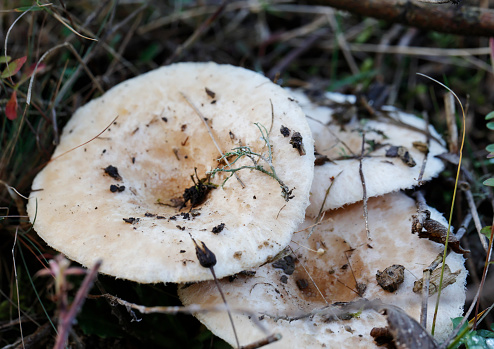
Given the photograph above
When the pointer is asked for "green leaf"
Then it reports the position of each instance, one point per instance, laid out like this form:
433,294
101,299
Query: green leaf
4,59
14,67
489,182
490,148
486,231
490,115
490,125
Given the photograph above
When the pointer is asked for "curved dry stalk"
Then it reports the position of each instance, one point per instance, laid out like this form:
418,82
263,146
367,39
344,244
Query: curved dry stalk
79,58
452,201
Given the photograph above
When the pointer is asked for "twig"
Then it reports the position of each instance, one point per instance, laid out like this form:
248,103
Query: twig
203,119
463,226
320,214
484,273
425,288
426,153
67,317
449,107
475,215
364,188
17,287
447,19
226,305
333,134
475,301
188,309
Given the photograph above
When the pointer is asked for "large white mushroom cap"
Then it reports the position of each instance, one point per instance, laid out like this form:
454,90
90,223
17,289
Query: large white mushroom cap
342,143
321,279
155,144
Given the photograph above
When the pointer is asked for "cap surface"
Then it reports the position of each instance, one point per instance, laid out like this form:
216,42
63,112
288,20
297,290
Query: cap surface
118,197
349,259
341,142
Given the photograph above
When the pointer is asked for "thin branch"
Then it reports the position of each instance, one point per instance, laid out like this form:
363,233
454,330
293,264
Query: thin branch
449,107
67,318
17,287
425,288
188,309
465,20
320,214
364,187
426,153
475,216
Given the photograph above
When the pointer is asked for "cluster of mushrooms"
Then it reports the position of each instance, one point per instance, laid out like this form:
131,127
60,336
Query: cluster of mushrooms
296,204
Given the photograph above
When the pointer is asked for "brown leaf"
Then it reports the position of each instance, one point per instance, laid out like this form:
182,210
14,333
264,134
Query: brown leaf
435,231
406,332
449,278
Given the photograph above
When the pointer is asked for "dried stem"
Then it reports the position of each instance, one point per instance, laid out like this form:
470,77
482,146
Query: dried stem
67,317
17,287
449,106
320,214
189,309
364,188
226,305
475,215
463,227
425,288
426,154
484,273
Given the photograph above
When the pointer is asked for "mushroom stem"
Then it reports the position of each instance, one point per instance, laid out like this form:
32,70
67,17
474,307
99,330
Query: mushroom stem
203,119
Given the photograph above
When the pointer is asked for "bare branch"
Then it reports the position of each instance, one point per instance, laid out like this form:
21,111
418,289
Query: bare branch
464,20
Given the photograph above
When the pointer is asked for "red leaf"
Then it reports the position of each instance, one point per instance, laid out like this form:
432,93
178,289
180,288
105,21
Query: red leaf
30,70
11,107
13,67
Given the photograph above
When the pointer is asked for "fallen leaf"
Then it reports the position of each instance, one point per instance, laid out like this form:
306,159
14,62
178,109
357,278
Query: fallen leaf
11,107
406,332
449,278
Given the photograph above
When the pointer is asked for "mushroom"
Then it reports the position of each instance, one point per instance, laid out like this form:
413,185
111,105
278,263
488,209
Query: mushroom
394,153
136,195
298,296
